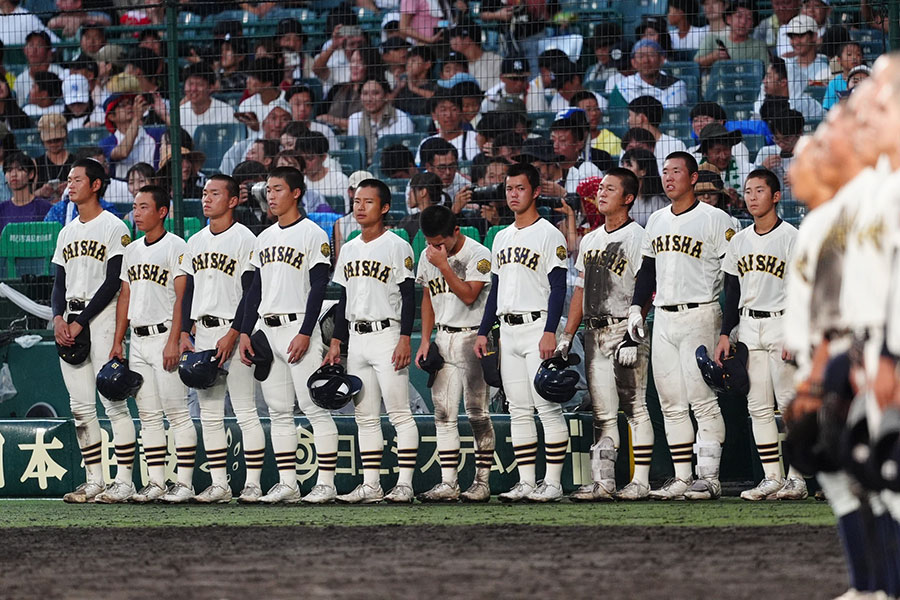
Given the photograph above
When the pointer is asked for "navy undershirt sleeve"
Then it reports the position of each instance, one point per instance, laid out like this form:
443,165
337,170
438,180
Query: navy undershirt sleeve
407,306
58,295
730,316
556,301
186,322
645,284
251,302
105,294
318,282
490,308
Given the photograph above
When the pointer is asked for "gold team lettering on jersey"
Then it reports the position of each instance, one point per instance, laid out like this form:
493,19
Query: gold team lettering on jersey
91,248
678,243
147,272
762,263
214,260
616,263
367,268
282,254
518,256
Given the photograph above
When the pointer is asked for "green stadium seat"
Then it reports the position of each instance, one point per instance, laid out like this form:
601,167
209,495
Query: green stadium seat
216,140
28,247
353,234
192,225
471,233
816,92
677,130
418,244
401,232
87,136
615,119
27,137
491,234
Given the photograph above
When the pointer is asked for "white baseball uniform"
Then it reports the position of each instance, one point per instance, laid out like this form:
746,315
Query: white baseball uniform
457,327
371,274
83,249
150,271
688,249
522,259
608,262
217,261
284,257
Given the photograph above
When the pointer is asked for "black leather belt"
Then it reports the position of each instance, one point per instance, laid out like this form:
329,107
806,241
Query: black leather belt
278,320
449,329
371,326
77,305
210,322
760,314
521,319
150,330
601,322
680,307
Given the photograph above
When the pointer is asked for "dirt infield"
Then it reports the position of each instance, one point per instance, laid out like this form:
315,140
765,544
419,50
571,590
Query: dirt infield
494,562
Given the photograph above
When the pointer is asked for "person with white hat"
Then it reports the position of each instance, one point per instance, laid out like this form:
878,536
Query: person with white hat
52,166
80,111
807,67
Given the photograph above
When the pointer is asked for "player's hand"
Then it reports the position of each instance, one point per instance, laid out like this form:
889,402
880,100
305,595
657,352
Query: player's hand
245,349
481,346
885,384
547,345
437,255
626,352
402,353
808,400
171,355
786,356
185,344
74,329
117,351
564,345
636,323
61,332
297,348
333,356
225,346
422,352
723,349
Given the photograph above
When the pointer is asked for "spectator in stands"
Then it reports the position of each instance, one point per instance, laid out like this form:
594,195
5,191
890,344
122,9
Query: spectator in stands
638,137
514,83
5,75
685,34
231,56
714,12
490,126
470,98
607,38
419,20
138,176
23,207
646,112
80,111
53,166
526,23
38,54
87,67
262,151
191,182
263,79
493,172
651,196
397,162
601,139
820,11
647,57
569,134
544,85
328,181
394,53
857,76
107,67
715,146
568,83
736,43
149,69
702,115
654,28
425,189
378,116
17,25
289,38
45,97
344,98
11,115
301,100
465,38
772,30
273,126
539,153
200,108
332,64
445,108
506,145
452,64
64,211
779,157
776,85
249,212
129,143
850,56
440,157
93,37
412,93
807,67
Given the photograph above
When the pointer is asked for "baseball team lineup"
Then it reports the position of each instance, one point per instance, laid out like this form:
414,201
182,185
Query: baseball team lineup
225,308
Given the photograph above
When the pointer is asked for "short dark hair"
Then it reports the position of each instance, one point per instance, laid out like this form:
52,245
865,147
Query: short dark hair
50,83
288,25
648,106
201,70
291,176
582,95
21,160
231,184
529,171
270,147
141,168
84,62
768,176
94,171
437,221
159,195
384,192
436,146
314,142
88,152
396,157
38,34
709,109
778,65
385,86
443,95
688,159
300,89
510,139
629,181
424,52
267,70
144,59
431,183
640,135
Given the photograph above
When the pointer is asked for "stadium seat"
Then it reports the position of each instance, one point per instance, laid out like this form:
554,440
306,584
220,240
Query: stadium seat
233,99
682,69
28,247
398,200
418,244
337,204
394,216
28,137
396,185
402,233
471,233
754,143
732,96
616,120
422,123
541,120
216,140
792,212
740,112
326,221
87,136
491,234
748,67
351,160
816,92
410,140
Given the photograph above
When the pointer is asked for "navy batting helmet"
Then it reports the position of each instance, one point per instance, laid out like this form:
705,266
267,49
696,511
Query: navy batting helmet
331,388
731,376
117,382
554,381
200,370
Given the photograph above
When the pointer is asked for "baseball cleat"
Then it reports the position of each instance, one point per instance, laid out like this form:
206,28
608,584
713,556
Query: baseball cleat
320,494
766,489
673,489
363,494
117,493
281,493
86,492
594,492
517,493
546,492
251,494
704,489
794,489
633,491
149,493
214,494
442,492
479,491
401,494
178,494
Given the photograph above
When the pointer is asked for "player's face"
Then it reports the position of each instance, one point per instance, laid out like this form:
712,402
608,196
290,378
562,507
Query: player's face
146,216
80,189
677,181
448,243
758,197
367,207
519,194
280,196
216,200
610,195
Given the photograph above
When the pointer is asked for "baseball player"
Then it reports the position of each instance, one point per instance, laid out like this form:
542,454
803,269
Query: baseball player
377,306
455,274
528,293
292,261
755,267
218,269
616,370
150,300
682,255
88,259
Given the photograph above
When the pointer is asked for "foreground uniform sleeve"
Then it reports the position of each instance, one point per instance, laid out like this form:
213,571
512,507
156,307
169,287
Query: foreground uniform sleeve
490,308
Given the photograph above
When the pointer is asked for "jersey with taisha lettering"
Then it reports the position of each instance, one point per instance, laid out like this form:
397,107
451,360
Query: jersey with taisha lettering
610,261
522,260
217,261
371,273
83,249
471,263
760,263
150,270
688,249
284,257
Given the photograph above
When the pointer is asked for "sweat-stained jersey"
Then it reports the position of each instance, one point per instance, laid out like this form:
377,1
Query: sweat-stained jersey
150,270
471,263
610,261
760,264
522,260
83,249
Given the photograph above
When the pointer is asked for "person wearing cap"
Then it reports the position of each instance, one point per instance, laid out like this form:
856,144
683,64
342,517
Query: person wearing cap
684,33
45,97
453,63
273,126
80,111
465,38
415,87
16,24
710,189
128,142
646,58
107,66
779,157
394,52
390,22
38,55
807,67
776,86
522,24
738,45
20,172
772,31
52,166
702,115
849,57
263,79
646,112
200,107
88,68
715,146
378,116
514,83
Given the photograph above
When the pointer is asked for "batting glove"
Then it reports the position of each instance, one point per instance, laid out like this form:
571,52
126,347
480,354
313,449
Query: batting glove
626,352
635,322
564,345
